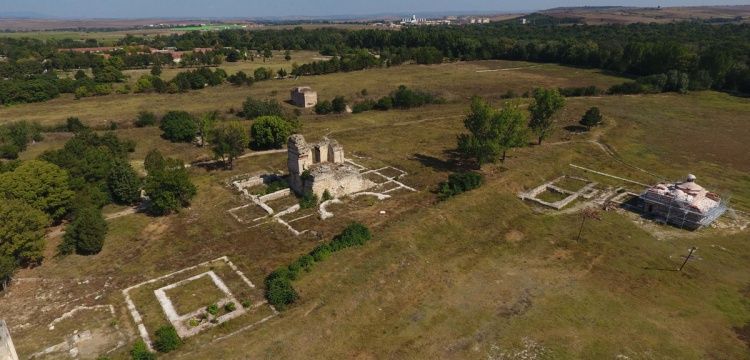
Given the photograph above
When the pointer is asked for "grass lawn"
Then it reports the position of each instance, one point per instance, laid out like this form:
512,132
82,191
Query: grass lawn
195,295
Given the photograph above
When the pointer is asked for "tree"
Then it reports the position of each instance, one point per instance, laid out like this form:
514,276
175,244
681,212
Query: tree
233,56
205,124
124,184
39,184
287,55
179,126
481,142
512,128
21,233
154,161
228,141
270,132
169,188
86,233
7,268
74,125
262,73
281,73
338,105
591,118
156,70
545,104
492,132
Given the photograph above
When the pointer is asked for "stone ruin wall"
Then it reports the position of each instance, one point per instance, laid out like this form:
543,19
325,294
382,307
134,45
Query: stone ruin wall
7,351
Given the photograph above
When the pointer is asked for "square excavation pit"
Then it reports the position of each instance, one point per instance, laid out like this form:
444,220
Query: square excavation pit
181,321
391,172
169,300
556,194
248,213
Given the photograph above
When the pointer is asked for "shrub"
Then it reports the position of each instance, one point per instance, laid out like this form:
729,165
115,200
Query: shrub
247,304
230,306
308,200
338,105
167,339
323,108
354,234
458,183
145,118
74,125
279,291
179,126
140,351
320,252
385,103
363,106
252,108
327,196
212,309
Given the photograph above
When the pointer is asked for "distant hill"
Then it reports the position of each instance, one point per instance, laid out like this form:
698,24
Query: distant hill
21,15
628,15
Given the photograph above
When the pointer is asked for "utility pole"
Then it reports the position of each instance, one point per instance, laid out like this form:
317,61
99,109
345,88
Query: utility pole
687,258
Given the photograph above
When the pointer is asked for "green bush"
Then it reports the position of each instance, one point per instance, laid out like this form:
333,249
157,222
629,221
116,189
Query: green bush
212,309
145,118
279,291
308,200
323,108
230,306
354,234
140,351
363,106
320,252
458,183
326,196
252,108
276,185
247,304
166,339
338,104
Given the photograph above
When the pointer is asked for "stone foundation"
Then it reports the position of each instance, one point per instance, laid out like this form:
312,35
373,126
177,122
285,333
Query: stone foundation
7,350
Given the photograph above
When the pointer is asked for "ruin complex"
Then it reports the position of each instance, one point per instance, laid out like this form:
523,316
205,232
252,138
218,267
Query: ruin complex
320,166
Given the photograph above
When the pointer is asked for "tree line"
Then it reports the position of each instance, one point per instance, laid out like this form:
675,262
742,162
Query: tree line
715,56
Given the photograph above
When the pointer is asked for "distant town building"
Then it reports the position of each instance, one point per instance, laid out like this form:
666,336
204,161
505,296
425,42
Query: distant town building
683,204
523,21
304,96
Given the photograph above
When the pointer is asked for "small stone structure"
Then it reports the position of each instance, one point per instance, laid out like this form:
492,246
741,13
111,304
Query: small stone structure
684,204
7,350
304,96
319,167
587,192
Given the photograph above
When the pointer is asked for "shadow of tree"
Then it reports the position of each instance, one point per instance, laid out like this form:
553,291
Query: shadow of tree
452,163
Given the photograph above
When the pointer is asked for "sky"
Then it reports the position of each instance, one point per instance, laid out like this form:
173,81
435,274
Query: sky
275,8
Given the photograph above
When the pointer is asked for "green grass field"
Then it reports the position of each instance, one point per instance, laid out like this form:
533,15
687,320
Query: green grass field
483,275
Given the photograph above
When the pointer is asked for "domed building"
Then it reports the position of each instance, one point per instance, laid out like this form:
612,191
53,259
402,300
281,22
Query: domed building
683,204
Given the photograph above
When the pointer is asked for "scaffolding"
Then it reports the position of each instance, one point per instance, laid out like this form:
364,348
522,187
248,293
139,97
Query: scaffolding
681,214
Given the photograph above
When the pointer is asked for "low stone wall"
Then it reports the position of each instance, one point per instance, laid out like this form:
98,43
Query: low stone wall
275,195
7,350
